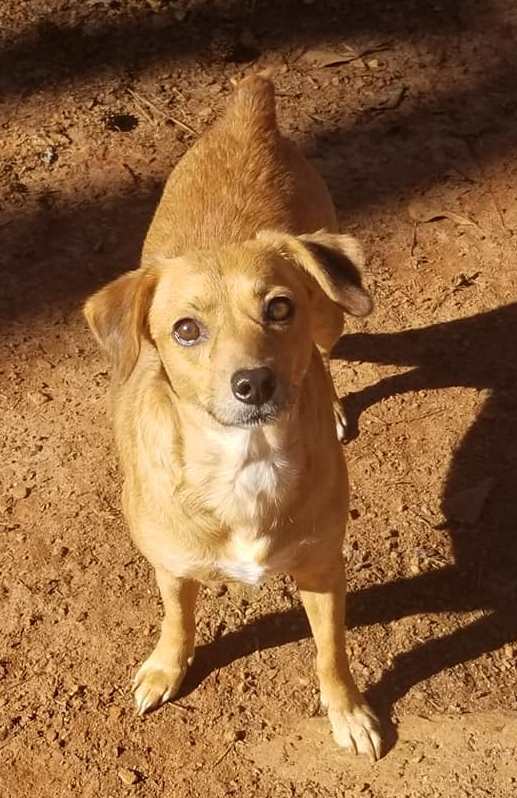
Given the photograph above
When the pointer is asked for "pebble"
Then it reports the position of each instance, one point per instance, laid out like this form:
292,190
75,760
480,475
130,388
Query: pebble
128,776
49,155
234,735
20,491
39,398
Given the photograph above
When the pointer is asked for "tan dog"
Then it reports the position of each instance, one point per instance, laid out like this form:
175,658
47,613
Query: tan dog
222,401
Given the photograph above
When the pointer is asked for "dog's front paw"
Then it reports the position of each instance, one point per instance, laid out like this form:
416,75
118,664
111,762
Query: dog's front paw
357,730
156,682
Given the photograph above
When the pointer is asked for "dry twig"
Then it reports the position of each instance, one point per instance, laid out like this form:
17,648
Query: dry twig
164,114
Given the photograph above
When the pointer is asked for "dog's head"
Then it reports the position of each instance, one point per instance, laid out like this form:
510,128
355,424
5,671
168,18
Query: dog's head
234,328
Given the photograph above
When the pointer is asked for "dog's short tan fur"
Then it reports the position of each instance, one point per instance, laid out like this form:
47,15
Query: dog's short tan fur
208,493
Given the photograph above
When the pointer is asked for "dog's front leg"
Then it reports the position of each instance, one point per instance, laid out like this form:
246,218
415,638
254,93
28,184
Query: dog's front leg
337,404
160,676
354,725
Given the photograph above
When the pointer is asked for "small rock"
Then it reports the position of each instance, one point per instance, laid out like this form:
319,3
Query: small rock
391,534
115,712
220,589
39,397
128,776
49,155
467,505
20,491
234,735
374,63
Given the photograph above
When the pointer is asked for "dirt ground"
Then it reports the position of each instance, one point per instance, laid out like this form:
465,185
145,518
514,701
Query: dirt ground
409,109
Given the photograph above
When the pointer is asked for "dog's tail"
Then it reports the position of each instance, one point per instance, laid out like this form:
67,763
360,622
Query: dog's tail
253,101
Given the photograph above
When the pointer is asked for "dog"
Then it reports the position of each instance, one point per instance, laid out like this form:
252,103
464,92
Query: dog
222,400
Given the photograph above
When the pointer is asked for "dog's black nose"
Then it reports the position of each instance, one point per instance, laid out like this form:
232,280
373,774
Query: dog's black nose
253,386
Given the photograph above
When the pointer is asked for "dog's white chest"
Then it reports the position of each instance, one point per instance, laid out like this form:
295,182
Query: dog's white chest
247,559
246,479
256,480
243,481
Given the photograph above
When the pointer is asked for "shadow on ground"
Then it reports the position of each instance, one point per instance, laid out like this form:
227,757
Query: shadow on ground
54,51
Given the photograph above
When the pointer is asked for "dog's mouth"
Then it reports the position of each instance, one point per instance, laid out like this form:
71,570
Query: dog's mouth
256,416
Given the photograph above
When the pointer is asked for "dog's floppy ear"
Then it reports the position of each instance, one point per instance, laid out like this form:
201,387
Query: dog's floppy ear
334,261
117,315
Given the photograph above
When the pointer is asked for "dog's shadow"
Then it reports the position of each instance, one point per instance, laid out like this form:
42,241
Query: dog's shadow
477,352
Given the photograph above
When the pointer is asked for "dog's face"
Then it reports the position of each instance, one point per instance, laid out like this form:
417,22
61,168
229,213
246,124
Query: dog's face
234,328
233,332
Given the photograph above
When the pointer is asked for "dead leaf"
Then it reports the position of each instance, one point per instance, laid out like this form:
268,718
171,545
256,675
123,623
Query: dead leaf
467,505
391,100
327,58
423,213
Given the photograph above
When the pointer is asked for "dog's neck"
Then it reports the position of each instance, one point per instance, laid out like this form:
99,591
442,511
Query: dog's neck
244,475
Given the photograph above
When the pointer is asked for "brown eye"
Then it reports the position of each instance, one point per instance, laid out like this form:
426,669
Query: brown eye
280,308
186,332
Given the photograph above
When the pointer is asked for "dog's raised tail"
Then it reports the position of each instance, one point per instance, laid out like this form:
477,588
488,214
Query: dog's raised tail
254,100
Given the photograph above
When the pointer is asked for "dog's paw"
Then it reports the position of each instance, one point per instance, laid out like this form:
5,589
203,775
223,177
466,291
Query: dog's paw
341,422
155,683
357,730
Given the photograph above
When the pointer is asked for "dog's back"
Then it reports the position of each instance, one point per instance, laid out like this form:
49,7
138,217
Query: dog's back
241,176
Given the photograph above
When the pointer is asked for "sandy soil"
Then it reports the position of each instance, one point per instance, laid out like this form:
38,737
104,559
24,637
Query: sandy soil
409,109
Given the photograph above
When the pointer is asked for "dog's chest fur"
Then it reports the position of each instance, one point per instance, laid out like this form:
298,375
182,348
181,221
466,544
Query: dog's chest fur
244,480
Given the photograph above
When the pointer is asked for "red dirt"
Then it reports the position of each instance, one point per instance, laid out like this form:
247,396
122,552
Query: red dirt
416,138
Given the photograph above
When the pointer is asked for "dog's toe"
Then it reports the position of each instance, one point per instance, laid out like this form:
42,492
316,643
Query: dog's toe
357,730
155,684
341,422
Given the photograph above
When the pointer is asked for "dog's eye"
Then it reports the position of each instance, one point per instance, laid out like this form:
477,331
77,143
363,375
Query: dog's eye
280,308
186,332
